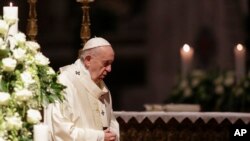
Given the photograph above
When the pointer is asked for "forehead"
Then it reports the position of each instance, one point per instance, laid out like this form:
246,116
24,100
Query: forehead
105,52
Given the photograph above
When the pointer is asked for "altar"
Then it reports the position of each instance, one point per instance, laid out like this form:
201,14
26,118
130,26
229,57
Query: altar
180,126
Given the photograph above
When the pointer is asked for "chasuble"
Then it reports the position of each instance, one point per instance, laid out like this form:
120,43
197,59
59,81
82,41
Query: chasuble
86,110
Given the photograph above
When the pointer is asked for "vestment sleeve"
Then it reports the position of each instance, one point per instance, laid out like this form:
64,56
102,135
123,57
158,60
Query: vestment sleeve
64,129
114,126
62,121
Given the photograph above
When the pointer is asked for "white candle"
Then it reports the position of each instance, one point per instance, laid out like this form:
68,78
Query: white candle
186,59
11,13
240,62
41,132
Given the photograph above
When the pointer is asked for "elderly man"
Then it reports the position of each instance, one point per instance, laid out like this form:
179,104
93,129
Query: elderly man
86,114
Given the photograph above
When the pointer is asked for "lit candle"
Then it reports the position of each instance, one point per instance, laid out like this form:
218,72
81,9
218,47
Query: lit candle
10,13
41,132
186,59
240,62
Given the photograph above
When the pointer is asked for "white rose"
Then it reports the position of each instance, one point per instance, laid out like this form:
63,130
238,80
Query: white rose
19,54
29,59
40,59
23,95
33,46
20,37
1,139
10,20
9,64
33,116
50,71
27,78
3,46
3,27
14,122
4,98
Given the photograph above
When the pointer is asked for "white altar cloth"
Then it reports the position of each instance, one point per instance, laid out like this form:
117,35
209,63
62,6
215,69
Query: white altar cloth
180,116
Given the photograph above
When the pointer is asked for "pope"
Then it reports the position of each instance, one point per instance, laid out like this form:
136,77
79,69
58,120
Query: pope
86,114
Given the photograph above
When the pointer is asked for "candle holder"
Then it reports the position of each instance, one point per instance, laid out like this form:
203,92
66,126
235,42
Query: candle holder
85,29
32,21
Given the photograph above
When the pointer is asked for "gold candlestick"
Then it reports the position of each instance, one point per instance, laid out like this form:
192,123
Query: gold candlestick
85,29
32,21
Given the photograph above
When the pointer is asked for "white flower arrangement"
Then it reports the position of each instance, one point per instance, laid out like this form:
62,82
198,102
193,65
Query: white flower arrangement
33,116
27,83
213,90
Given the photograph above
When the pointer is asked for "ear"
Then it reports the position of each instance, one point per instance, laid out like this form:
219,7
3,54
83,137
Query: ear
87,61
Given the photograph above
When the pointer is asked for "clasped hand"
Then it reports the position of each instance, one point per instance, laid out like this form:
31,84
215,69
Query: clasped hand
109,136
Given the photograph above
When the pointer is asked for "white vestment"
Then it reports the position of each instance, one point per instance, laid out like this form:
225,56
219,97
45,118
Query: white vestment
87,108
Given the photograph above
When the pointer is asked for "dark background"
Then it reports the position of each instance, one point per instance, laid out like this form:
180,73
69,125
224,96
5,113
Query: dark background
146,36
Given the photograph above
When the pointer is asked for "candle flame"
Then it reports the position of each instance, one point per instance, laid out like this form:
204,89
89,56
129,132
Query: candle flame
11,4
239,47
186,48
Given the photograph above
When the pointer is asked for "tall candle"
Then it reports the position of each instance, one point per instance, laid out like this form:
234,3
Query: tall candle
186,59
41,132
240,62
10,13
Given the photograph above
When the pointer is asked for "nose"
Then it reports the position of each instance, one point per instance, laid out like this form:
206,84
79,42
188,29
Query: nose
108,68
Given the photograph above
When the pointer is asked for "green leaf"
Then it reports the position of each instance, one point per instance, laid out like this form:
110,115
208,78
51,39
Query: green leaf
3,53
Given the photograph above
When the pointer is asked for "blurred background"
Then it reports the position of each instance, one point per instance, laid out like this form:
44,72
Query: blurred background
147,36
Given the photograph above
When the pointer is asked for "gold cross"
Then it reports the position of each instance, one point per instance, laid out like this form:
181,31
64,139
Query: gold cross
77,72
102,113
